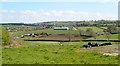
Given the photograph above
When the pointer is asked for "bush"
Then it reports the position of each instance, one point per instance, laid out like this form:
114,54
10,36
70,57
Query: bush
5,37
112,29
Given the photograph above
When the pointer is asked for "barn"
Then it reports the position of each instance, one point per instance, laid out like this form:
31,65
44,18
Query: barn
61,28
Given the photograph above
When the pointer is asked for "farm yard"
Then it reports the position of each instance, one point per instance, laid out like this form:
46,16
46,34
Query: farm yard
31,47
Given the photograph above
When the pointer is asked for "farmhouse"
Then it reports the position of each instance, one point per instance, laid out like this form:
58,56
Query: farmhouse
61,28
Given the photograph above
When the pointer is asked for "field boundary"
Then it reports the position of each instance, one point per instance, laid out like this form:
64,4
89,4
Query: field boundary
60,65
72,40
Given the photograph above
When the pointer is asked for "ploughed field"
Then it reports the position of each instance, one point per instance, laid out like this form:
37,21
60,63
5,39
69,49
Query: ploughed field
62,37
58,37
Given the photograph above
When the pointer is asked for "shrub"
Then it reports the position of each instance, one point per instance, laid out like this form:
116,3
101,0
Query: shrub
5,37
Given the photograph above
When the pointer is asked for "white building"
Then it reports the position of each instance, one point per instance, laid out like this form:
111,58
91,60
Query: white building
61,28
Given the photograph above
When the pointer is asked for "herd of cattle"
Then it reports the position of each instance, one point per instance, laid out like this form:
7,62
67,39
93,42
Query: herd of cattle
90,44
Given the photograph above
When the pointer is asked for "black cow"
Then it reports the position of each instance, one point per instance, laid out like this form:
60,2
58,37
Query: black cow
86,46
102,45
105,44
108,43
95,45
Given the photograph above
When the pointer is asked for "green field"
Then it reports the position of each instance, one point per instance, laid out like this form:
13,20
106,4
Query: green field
103,37
49,31
42,52
52,31
96,29
53,53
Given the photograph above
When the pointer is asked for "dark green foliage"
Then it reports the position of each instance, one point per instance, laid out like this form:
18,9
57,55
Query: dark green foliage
82,32
90,32
112,29
5,37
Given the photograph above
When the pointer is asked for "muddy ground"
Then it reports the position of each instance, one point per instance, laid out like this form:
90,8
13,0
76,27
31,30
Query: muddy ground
111,50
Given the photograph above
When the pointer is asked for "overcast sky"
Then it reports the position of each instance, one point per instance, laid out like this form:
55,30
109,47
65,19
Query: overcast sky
29,11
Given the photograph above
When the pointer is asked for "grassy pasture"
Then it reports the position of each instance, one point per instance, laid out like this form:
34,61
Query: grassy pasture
93,28
53,53
49,31
52,31
62,23
113,37
41,52
104,27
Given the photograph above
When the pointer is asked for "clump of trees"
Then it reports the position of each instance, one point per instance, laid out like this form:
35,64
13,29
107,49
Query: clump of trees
112,29
81,32
5,37
88,32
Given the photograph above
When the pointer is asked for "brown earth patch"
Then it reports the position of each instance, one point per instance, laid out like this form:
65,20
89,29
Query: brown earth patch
105,50
61,37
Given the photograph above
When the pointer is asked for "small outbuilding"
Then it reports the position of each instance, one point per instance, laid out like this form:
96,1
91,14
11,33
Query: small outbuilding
61,28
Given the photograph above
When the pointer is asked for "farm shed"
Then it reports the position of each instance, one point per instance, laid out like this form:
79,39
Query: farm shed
61,28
